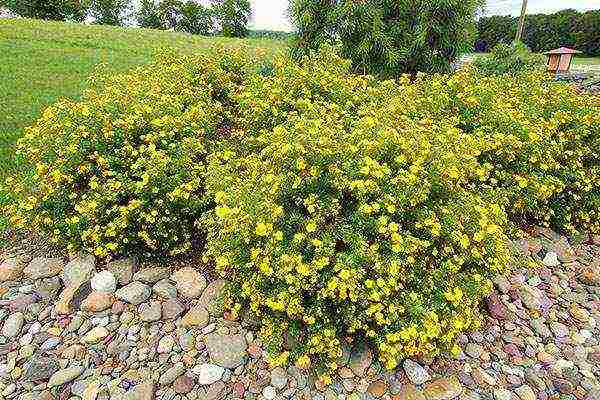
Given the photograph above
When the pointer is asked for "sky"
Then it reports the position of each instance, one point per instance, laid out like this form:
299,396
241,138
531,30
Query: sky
272,14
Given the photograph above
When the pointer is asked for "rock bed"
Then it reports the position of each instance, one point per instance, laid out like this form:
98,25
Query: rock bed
71,329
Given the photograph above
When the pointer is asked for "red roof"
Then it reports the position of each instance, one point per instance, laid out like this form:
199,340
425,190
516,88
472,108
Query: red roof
563,50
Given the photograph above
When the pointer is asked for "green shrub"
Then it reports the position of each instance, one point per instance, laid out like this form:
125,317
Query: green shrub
388,37
120,172
513,58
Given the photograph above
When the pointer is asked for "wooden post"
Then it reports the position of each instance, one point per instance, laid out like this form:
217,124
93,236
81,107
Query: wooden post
521,22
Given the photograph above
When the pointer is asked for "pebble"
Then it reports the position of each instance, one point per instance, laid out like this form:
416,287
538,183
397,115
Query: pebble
415,372
208,374
13,325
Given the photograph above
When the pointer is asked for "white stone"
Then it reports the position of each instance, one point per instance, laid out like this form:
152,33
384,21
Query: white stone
104,281
208,373
551,259
269,393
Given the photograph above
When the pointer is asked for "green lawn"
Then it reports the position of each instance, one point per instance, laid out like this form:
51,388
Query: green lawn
587,61
44,61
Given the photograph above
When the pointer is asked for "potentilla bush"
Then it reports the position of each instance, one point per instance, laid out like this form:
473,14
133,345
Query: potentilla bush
540,143
120,171
354,222
349,207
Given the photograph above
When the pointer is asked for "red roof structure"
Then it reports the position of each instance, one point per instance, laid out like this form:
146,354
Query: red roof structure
563,50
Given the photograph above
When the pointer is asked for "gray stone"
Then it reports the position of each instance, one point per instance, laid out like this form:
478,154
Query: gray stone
278,378
228,351
13,325
152,275
134,293
48,288
150,312
104,281
123,270
172,309
208,373
40,368
172,373
65,375
415,372
79,270
41,267
164,289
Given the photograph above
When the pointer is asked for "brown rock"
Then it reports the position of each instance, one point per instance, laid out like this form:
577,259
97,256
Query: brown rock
212,297
196,316
443,389
143,391
183,384
11,269
41,267
97,301
409,392
377,388
190,283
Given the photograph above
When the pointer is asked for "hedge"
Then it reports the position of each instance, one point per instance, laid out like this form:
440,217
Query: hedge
543,32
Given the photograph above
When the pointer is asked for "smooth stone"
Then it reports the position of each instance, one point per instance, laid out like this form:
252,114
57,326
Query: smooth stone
41,368
95,335
208,374
415,372
189,282
41,267
443,389
134,293
228,351
104,281
551,259
172,309
279,378
123,270
164,289
197,316
48,288
152,275
13,325
65,375
11,269
360,361
98,301
172,373
80,269
150,312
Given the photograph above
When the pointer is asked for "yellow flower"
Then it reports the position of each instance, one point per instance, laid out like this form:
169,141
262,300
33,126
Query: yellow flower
262,229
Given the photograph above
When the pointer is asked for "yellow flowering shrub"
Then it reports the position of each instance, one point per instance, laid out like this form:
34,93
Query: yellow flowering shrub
348,207
337,206
120,171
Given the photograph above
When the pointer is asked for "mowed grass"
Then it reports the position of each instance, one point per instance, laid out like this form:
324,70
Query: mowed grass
588,61
42,61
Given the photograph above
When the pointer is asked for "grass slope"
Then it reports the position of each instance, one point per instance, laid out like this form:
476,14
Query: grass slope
44,61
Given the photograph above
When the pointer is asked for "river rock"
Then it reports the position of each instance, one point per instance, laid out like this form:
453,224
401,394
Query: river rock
190,283
134,293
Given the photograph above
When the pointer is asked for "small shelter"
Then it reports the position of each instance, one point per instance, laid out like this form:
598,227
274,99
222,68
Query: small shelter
559,60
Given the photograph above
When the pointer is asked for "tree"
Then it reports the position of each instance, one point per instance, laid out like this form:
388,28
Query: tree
149,16
195,19
110,12
58,10
233,16
388,37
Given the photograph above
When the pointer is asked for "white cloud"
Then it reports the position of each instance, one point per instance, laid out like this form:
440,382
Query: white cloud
513,7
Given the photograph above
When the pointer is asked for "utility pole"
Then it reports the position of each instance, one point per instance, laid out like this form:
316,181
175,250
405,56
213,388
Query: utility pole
521,22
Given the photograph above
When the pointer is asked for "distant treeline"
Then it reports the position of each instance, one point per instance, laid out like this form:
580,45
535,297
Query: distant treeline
570,28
